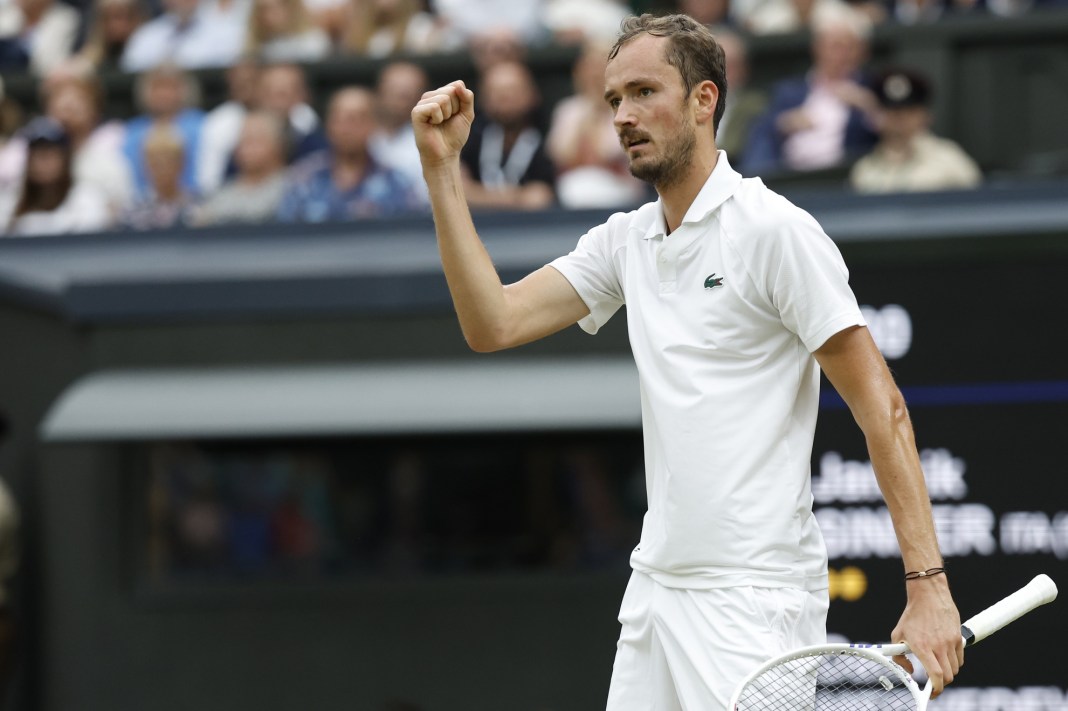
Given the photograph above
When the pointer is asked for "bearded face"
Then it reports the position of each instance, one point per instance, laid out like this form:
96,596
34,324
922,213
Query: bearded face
660,162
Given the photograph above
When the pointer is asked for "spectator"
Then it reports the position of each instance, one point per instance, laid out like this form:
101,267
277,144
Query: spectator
767,17
11,115
50,201
745,105
908,156
593,170
574,22
167,203
279,88
191,34
497,46
112,25
822,119
917,12
76,103
465,20
708,12
330,16
282,31
229,18
12,146
379,28
36,34
345,182
222,125
505,162
400,86
256,192
283,90
168,96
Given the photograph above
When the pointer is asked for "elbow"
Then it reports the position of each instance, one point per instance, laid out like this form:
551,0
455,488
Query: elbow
887,418
485,341
482,346
899,410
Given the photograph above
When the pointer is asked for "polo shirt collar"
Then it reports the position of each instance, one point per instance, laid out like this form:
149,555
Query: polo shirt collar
720,185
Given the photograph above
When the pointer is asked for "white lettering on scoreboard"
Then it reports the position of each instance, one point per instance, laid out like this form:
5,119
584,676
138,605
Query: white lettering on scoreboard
891,329
860,530
852,481
1031,532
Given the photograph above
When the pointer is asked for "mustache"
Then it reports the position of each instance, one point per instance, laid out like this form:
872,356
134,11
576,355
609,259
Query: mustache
628,137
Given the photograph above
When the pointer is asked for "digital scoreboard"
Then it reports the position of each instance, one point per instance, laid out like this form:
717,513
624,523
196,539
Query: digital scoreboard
977,350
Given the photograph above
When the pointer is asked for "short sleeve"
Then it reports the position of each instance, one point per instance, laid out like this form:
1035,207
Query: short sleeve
592,271
809,283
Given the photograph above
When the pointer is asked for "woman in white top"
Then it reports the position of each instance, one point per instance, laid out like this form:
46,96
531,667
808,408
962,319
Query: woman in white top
50,202
76,102
282,31
379,28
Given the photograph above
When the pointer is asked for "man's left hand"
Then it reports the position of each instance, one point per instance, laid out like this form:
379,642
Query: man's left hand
931,627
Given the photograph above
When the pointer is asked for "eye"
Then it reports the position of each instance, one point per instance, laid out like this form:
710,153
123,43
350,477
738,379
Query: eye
646,91
614,103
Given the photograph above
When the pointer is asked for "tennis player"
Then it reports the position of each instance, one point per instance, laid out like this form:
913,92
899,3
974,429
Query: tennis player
735,301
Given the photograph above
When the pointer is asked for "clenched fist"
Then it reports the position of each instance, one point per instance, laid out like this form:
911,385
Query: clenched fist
442,122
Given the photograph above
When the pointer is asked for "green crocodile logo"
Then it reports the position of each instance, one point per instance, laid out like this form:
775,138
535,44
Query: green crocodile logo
713,281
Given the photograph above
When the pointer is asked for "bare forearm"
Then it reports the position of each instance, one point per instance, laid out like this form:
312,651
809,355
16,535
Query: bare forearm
930,623
892,448
859,373
476,289
491,315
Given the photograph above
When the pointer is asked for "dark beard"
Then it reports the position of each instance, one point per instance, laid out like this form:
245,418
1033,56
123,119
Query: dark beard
672,165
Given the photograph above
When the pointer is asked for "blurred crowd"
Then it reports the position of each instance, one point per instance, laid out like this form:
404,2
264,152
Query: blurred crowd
391,510
271,151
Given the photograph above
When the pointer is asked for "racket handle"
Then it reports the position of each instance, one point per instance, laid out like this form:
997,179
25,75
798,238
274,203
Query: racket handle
1037,592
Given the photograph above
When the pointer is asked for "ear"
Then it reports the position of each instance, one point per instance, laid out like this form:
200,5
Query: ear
706,98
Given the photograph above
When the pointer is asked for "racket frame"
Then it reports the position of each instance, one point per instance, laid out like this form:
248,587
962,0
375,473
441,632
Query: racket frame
1039,591
879,653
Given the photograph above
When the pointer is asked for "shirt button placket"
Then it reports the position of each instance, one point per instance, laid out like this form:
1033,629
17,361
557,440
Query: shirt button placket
666,268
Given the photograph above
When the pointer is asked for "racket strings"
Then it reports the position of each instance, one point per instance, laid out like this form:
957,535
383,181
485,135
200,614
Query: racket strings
828,682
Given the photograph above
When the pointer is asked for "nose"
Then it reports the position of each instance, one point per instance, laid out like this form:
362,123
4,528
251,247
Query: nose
623,116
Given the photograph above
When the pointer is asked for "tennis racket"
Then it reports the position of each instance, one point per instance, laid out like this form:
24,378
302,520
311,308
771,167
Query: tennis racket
863,677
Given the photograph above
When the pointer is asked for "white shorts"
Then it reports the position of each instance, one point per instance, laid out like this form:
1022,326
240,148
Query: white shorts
686,650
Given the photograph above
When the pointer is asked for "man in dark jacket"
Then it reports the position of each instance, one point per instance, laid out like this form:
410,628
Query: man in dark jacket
820,120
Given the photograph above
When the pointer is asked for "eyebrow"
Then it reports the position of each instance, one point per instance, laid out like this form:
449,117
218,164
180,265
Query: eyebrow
641,81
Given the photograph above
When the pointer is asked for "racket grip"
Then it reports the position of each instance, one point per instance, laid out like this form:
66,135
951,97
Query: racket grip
1037,592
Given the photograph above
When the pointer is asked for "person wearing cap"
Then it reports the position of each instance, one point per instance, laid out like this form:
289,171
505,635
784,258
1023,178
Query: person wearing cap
908,156
50,201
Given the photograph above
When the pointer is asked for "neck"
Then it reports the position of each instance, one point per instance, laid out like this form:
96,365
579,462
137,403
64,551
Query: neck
78,137
679,195
169,191
257,175
49,195
900,144
512,130
349,169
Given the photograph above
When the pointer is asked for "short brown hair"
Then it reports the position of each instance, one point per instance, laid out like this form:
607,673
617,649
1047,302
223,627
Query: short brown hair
692,50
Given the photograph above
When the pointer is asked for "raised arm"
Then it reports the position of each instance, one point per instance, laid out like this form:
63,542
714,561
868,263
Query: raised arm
492,316
930,623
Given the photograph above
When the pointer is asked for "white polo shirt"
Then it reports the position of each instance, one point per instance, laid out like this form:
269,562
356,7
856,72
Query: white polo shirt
723,315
